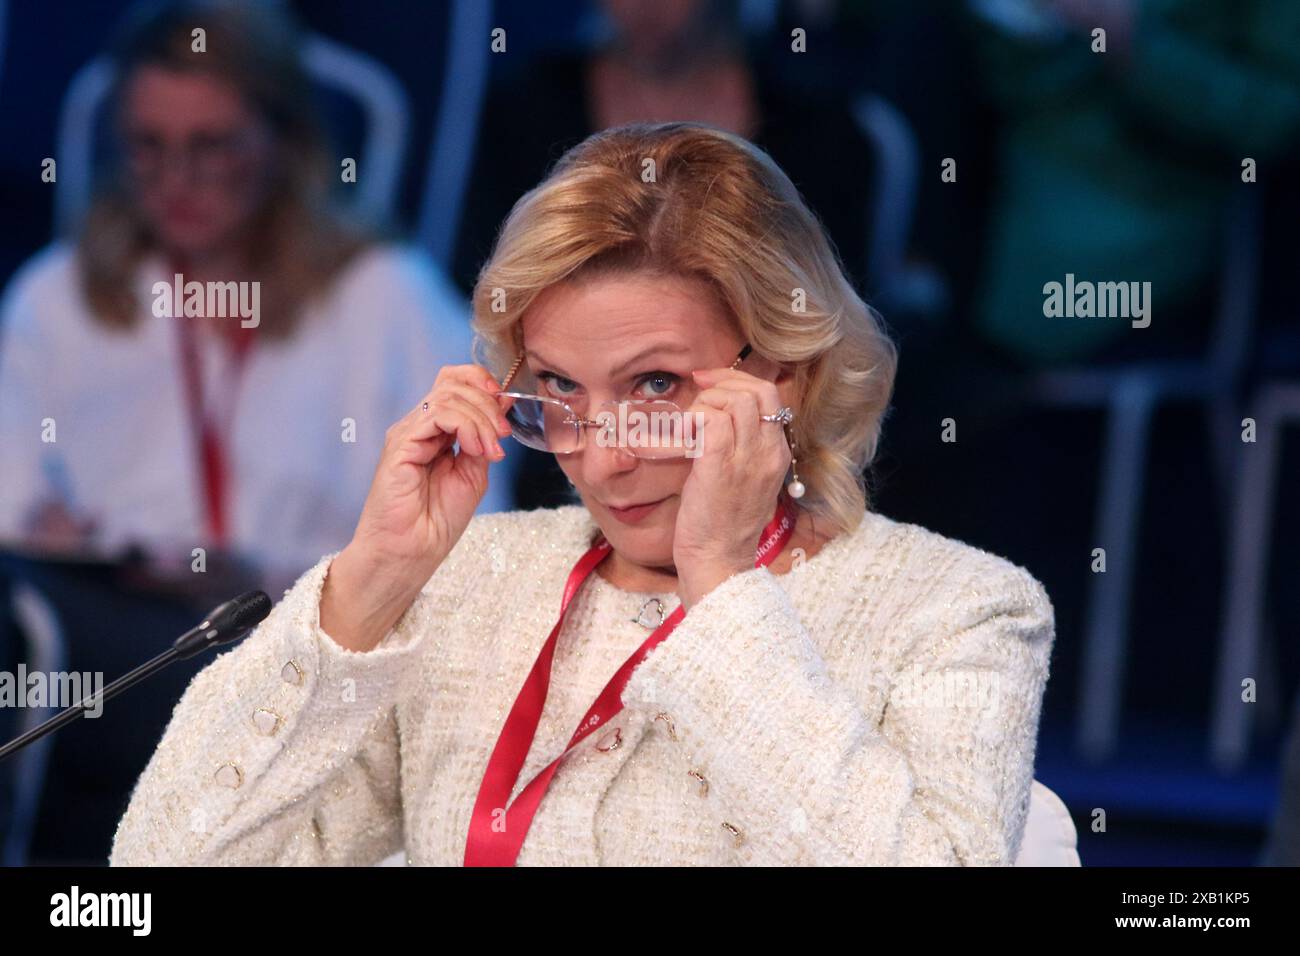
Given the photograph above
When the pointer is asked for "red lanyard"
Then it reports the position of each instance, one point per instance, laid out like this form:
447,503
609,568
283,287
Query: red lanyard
212,437
493,843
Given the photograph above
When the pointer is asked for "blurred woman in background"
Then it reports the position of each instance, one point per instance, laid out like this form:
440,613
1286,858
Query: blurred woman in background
232,433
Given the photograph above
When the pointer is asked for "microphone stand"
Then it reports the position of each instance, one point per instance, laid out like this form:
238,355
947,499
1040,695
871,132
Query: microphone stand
230,622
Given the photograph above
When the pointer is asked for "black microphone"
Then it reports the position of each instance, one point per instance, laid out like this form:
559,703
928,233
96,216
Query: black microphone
224,624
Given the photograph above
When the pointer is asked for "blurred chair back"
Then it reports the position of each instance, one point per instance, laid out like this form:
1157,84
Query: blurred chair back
42,651
86,617
455,134
1275,405
897,285
1130,393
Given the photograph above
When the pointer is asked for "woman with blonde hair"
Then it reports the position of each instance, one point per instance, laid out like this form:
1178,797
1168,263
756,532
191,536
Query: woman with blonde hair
748,666
242,419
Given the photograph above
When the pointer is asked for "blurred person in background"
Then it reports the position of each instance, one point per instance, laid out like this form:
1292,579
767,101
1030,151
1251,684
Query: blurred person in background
132,426
1118,165
1112,166
679,60
249,436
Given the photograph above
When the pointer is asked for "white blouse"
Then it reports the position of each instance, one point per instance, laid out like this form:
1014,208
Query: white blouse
366,353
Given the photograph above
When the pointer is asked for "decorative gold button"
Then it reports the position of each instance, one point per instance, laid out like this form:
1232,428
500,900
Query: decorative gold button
291,673
672,731
611,741
266,721
704,784
228,775
738,837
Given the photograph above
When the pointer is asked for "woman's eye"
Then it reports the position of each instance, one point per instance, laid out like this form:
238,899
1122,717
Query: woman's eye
556,384
658,384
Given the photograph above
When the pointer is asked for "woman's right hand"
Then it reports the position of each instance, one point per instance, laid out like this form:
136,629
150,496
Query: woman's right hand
420,502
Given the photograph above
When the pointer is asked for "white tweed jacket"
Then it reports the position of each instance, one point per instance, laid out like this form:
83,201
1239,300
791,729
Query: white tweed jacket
878,704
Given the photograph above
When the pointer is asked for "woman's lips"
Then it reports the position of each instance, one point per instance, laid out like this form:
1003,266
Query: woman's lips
637,513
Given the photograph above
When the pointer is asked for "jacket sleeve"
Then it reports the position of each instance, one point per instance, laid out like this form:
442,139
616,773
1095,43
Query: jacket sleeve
282,751
811,774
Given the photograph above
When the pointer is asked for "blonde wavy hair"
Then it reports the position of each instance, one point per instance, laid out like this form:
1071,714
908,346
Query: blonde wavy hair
690,200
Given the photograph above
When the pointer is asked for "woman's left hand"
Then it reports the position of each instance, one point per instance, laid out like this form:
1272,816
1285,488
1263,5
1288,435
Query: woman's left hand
732,489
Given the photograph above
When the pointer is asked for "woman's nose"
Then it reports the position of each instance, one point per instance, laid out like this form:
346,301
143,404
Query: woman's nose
602,460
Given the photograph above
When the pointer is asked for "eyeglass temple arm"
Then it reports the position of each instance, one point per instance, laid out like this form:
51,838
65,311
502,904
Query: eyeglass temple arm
505,382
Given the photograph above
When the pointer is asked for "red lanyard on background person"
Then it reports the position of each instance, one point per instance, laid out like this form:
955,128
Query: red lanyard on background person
212,433
493,844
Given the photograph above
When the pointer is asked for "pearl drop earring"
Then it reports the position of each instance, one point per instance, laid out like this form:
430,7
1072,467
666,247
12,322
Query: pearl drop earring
796,487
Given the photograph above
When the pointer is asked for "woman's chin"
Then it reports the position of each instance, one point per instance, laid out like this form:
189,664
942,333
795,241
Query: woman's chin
648,541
